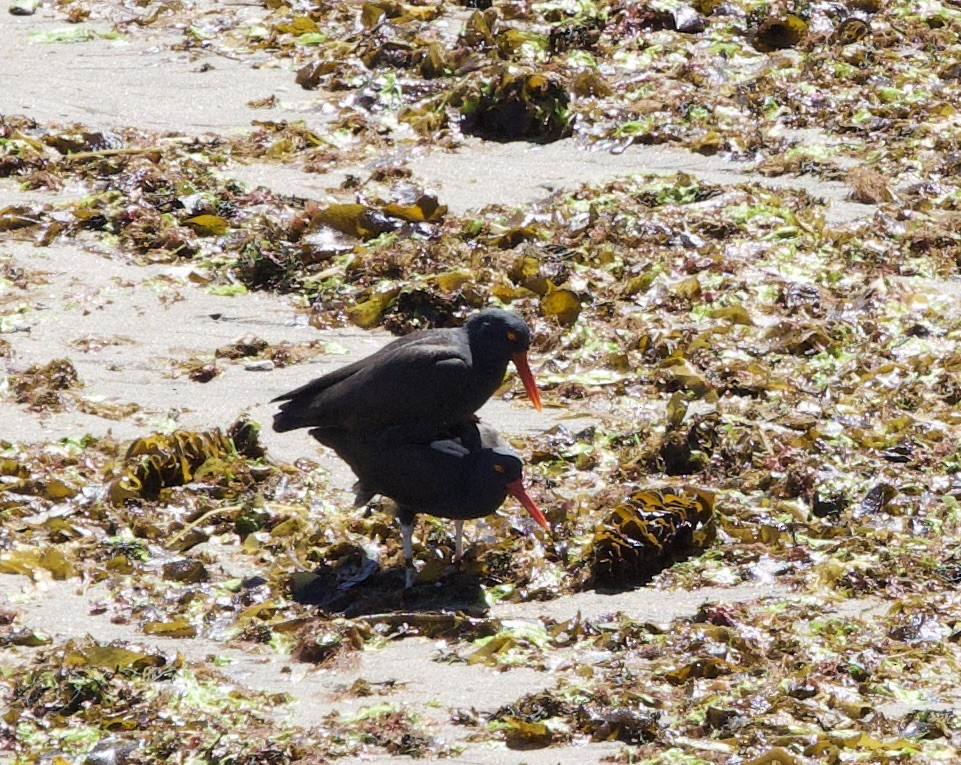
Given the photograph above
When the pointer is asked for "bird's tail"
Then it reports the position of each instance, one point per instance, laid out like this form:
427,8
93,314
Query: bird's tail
291,417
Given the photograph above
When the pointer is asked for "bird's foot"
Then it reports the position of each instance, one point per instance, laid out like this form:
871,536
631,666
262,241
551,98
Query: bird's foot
410,575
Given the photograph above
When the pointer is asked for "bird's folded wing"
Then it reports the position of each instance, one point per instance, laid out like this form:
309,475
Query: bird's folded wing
409,389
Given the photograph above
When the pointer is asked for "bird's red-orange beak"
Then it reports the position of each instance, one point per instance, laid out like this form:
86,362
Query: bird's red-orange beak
524,370
516,490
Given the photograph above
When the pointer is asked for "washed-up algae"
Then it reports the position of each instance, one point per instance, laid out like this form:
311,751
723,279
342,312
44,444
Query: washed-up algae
775,396
83,698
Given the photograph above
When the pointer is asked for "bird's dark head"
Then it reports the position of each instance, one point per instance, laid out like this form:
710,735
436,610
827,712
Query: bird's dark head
498,335
503,468
500,332
503,465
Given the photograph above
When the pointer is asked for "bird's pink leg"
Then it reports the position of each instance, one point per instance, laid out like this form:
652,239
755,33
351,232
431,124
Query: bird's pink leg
458,540
407,535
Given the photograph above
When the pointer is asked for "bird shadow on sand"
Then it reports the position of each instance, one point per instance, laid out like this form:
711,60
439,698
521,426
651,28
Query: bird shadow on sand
382,590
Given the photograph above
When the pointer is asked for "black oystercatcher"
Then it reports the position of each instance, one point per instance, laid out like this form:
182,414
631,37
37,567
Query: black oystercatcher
443,477
437,377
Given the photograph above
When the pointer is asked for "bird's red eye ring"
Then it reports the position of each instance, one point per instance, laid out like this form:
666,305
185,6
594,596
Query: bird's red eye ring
512,336
499,468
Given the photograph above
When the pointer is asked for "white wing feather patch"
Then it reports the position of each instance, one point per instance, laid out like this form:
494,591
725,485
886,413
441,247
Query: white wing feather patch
451,447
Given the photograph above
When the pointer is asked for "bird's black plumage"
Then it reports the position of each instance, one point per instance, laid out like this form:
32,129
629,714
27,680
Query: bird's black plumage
461,472
435,376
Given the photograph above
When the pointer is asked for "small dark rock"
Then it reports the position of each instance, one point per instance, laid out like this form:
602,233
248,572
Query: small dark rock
111,751
186,571
687,20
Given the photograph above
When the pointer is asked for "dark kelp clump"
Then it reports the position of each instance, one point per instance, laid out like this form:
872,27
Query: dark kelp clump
519,106
647,531
42,387
162,461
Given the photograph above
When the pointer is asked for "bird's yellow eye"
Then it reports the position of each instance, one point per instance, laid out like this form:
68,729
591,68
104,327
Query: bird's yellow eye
499,468
512,336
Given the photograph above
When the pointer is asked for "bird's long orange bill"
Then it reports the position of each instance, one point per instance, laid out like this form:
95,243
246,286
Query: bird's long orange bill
524,370
516,490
